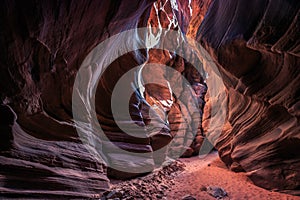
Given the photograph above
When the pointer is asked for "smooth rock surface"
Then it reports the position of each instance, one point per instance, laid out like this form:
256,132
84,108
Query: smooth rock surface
254,44
42,46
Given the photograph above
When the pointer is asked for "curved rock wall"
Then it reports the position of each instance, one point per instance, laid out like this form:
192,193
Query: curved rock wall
42,46
255,45
178,95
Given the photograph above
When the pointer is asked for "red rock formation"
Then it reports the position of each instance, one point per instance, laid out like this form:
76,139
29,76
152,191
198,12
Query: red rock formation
255,45
175,16
42,46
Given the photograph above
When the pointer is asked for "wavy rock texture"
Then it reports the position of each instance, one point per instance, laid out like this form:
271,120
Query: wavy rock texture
43,45
255,45
178,96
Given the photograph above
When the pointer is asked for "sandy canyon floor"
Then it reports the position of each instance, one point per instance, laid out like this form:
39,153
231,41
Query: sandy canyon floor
211,171
189,179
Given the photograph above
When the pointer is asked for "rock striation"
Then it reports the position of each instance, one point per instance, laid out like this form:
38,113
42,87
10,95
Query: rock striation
253,44
43,45
256,48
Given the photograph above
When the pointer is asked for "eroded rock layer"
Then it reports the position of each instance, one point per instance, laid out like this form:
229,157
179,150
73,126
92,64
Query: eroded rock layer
256,47
254,44
42,46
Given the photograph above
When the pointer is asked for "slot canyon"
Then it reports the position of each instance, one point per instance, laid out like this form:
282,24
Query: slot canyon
150,99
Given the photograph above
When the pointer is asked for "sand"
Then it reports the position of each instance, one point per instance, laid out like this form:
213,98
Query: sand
211,171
